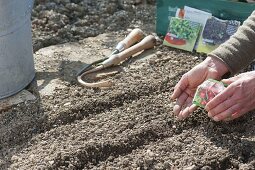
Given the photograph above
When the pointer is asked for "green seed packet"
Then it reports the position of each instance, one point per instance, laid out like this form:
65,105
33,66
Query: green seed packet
182,34
207,91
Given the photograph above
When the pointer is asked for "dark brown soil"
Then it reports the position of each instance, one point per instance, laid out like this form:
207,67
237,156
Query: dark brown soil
130,126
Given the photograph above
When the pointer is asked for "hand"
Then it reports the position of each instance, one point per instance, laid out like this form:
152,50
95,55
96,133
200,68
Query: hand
185,89
236,100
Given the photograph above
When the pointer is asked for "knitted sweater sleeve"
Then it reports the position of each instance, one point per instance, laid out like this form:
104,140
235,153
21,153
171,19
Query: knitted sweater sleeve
239,50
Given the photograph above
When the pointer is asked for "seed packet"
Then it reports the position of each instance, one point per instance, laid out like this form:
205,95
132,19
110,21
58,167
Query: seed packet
182,34
196,15
216,32
207,91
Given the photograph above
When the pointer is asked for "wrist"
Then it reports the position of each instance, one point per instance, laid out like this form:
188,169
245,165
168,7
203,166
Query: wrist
217,64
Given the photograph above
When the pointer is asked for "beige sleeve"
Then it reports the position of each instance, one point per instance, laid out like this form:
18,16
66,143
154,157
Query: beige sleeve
239,51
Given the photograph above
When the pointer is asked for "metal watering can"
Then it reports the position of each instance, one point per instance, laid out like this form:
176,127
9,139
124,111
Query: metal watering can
16,51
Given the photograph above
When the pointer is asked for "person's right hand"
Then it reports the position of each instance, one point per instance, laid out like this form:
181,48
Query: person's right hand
234,101
185,89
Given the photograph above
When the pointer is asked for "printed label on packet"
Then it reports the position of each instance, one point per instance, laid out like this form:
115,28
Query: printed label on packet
207,91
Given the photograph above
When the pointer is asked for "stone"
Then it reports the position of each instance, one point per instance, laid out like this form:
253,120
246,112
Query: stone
19,98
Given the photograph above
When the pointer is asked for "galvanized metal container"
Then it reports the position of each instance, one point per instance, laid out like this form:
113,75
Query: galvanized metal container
16,53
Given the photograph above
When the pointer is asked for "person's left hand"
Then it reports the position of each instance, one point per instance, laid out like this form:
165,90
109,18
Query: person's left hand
236,100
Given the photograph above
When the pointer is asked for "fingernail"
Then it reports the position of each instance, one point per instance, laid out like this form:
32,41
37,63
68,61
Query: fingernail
176,109
172,96
216,119
209,114
180,116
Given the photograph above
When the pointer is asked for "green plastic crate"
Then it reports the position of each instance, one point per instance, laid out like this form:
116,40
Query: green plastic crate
220,8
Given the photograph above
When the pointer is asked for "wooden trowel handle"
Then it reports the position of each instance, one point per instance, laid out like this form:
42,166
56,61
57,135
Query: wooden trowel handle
147,43
133,37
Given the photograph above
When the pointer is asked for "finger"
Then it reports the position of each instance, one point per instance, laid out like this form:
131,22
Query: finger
184,113
228,113
221,107
185,108
228,119
219,98
239,114
180,87
177,109
226,81
192,108
187,111
234,116
230,80
180,102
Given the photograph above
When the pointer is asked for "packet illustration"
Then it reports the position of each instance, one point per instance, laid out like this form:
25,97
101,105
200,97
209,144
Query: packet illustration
207,91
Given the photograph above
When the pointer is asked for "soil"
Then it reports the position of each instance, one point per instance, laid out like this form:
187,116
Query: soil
129,126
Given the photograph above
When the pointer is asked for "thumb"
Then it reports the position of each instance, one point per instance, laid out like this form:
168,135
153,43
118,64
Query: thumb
230,80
